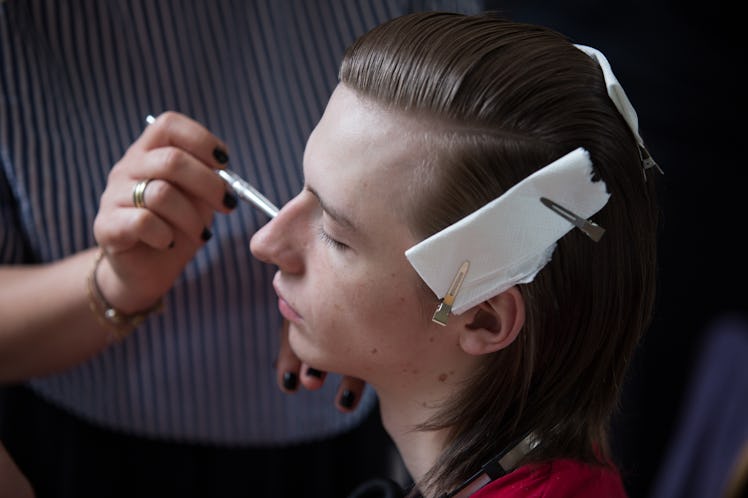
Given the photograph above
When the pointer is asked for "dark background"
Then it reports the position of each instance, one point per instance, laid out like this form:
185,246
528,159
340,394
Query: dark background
680,67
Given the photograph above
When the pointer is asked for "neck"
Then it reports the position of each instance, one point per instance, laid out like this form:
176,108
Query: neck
408,401
418,449
412,394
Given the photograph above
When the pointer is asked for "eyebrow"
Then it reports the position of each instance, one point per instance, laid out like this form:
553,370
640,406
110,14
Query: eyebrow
338,216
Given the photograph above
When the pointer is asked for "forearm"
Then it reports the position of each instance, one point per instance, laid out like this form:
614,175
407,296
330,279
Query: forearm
47,324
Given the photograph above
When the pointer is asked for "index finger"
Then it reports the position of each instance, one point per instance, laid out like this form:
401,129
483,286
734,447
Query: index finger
178,130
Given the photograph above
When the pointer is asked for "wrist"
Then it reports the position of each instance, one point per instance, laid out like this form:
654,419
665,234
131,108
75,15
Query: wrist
119,322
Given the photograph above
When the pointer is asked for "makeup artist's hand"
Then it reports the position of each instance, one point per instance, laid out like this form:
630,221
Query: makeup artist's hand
291,371
147,247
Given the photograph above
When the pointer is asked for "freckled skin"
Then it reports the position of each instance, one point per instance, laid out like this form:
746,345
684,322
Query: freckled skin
368,312
361,306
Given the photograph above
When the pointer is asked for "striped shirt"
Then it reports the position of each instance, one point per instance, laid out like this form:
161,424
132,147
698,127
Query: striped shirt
77,79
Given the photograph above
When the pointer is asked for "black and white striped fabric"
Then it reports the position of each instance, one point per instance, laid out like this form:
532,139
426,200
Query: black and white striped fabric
77,79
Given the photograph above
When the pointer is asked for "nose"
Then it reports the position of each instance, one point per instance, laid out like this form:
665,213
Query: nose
279,241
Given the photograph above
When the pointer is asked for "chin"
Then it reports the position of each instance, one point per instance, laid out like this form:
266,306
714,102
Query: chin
323,355
307,351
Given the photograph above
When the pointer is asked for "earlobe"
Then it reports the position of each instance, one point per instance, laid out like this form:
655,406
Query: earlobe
493,324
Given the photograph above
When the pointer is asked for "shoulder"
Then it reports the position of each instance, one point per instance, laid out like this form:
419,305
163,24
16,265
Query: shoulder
557,479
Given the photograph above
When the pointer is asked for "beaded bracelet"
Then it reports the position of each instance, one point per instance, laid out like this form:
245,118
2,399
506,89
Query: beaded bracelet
119,323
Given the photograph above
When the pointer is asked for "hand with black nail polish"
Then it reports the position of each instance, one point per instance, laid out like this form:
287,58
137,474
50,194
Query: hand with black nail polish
347,399
157,209
290,381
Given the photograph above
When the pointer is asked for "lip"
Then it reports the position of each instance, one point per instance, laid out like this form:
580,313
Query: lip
288,312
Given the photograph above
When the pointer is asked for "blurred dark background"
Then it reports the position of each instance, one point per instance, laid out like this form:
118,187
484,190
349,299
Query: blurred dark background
681,68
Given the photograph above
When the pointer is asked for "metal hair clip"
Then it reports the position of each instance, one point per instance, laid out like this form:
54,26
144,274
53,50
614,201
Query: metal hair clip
445,306
623,104
591,229
647,161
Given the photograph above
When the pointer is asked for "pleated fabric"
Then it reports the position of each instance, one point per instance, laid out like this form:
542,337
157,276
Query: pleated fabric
77,79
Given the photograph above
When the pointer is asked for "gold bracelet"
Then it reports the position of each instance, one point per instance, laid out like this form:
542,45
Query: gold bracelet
119,323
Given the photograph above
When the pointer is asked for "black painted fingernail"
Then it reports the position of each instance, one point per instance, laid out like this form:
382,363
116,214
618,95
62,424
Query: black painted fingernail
230,200
347,399
314,372
206,235
290,381
221,156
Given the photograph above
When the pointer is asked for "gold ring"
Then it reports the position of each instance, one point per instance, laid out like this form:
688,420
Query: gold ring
138,193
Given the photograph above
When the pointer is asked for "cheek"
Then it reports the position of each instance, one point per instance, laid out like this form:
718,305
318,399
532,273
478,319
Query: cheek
380,298
348,302
381,311
360,317
369,328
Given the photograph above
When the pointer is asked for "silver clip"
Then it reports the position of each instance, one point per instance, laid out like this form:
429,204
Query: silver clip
648,162
591,229
445,306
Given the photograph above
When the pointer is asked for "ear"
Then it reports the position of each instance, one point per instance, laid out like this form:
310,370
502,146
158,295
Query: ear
493,324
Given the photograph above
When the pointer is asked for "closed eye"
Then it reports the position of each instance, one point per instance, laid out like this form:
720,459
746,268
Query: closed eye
325,237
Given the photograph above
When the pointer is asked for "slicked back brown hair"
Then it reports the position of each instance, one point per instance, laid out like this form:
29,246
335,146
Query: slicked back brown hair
510,98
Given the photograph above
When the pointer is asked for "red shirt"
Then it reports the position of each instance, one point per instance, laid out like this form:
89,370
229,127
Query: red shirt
556,479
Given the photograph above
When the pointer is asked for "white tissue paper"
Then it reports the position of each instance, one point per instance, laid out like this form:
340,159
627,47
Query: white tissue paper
511,238
615,91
